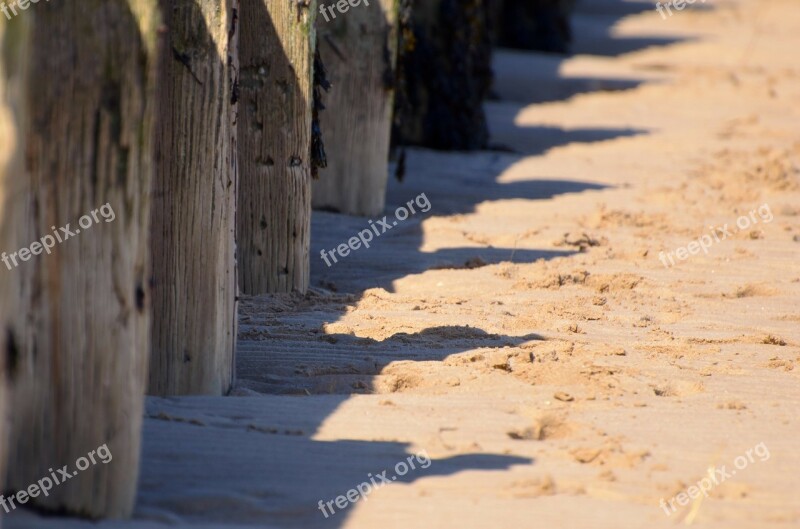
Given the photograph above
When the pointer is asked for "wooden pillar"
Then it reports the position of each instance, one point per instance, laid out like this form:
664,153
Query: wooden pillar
359,51
76,317
276,52
444,76
194,201
14,40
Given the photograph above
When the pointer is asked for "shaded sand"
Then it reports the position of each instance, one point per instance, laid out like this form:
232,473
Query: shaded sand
524,332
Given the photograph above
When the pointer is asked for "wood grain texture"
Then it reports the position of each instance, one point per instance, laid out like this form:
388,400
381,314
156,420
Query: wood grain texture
359,50
276,48
76,322
194,202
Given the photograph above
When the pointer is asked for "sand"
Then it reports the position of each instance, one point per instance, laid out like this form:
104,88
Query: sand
524,332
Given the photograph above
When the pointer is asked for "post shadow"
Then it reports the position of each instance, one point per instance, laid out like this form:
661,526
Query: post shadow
284,349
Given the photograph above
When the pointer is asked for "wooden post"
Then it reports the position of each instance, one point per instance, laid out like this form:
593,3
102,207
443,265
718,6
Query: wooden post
541,25
13,42
359,51
276,51
194,201
444,76
76,317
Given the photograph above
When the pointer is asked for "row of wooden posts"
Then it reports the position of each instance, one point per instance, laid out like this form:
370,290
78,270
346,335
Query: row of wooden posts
198,122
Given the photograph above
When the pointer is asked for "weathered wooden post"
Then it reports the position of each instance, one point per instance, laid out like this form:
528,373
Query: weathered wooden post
359,51
75,304
194,201
444,76
276,53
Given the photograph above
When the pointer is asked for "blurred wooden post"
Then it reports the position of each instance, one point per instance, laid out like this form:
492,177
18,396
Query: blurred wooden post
541,25
359,51
276,51
444,76
194,202
76,318
11,72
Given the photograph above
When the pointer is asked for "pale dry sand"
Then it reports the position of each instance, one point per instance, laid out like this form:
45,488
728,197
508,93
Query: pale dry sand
524,332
